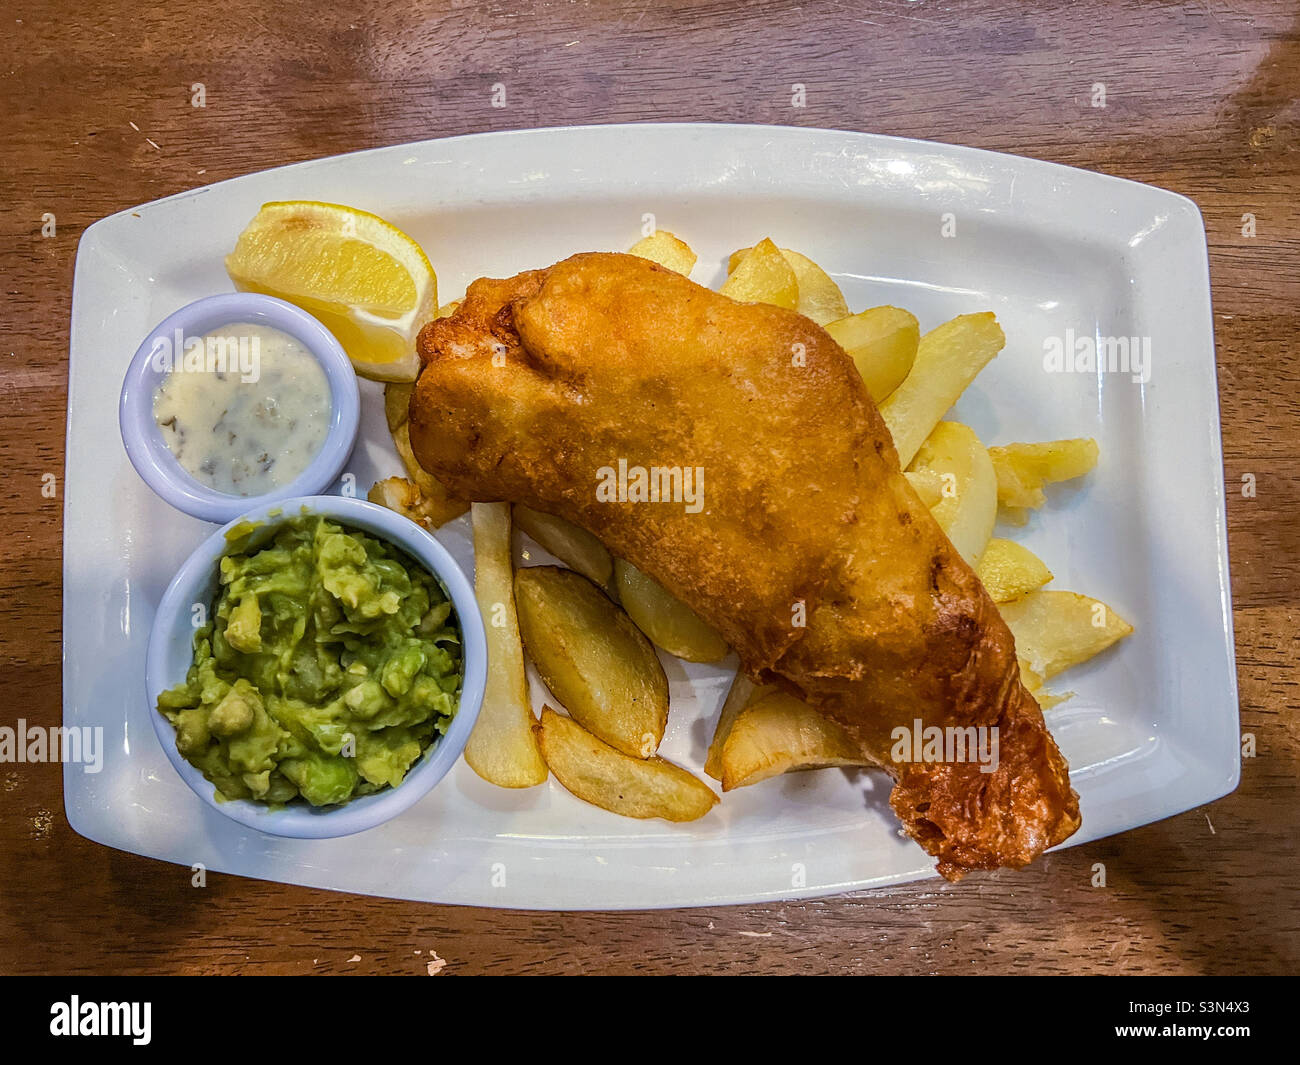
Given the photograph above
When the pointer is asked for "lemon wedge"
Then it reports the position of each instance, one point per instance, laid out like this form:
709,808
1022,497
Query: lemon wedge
366,280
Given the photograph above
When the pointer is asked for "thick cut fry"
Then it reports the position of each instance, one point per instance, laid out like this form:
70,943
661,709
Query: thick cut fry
968,505
820,297
405,498
421,497
882,342
947,360
1009,570
503,747
1034,685
667,250
779,734
669,622
1056,630
763,276
573,546
927,484
634,787
437,502
595,661
1023,469
397,401
741,694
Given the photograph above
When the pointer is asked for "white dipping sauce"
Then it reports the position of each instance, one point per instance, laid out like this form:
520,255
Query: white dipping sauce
247,412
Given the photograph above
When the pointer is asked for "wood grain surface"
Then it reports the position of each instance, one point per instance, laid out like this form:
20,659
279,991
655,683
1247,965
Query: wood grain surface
1201,98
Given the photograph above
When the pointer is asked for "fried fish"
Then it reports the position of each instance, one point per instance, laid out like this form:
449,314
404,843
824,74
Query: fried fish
806,548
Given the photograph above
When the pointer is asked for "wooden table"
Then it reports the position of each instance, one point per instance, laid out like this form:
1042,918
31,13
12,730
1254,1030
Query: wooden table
1200,98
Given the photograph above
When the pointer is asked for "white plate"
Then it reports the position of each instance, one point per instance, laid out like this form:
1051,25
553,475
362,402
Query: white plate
1153,728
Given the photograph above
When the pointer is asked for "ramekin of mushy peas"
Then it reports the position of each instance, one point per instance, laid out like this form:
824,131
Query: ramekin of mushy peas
328,663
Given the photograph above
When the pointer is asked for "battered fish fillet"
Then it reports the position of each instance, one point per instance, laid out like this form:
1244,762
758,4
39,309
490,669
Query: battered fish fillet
811,554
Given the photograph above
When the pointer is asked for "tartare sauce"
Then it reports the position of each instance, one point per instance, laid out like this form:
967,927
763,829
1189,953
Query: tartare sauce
245,412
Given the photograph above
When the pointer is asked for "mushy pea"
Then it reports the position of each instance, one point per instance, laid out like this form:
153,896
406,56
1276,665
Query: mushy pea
330,663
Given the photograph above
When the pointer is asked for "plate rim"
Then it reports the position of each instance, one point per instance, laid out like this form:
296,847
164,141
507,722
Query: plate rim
1188,214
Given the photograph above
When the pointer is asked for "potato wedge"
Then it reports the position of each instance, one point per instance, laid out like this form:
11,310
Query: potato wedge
1034,685
968,506
439,503
503,747
780,734
397,402
1009,570
947,360
927,484
405,498
1056,630
1023,469
820,297
882,342
634,787
669,622
742,693
667,250
596,662
1046,700
763,276
572,545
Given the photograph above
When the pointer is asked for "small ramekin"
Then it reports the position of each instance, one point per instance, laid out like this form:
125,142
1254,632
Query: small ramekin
153,459
171,652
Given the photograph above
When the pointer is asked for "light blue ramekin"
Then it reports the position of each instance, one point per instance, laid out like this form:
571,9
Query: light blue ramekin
171,652
153,459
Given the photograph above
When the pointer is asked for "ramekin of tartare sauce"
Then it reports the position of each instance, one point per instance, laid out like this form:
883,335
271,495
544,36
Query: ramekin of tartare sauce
238,400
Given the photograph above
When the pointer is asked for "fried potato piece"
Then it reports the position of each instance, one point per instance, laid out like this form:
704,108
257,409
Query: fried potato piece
397,403
572,545
634,787
780,734
405,498
763,276
820,297
927,484
667,250
669,622
437,501
968,505
1056,630
1034,685
503,747
1023,469
947,360
421,496
596,662
882,342
742,693
1009,570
